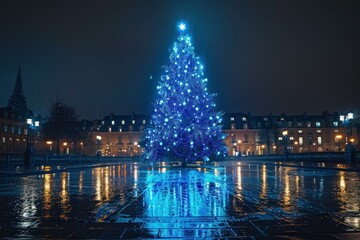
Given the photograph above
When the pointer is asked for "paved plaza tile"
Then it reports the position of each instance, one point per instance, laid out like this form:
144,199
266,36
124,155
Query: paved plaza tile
233,200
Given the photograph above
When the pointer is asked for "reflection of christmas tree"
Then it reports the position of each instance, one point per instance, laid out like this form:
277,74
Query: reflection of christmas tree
185,125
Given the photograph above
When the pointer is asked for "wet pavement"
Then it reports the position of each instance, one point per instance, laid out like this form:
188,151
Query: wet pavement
233,200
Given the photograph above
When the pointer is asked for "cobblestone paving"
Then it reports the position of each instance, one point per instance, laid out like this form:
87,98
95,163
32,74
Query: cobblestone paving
236,200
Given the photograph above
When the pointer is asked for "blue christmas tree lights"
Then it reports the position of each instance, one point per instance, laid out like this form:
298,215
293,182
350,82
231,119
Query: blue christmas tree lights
184,125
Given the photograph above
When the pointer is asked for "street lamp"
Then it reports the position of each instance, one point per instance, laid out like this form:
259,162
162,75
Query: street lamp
50,145
338,139
98,141
28,155
349,150
66,148
286,152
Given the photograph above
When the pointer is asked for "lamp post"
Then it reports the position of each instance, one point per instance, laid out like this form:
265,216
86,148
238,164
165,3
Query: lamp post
286,151
338,140
98,142
28,155
349,150
66,148
49,143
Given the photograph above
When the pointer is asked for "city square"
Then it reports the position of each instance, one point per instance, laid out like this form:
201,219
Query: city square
182,119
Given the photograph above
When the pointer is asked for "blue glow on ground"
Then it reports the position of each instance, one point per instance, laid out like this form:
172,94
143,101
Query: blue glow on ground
190,198
185,193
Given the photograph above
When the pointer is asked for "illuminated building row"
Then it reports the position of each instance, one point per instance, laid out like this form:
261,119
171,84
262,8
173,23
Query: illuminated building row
246,134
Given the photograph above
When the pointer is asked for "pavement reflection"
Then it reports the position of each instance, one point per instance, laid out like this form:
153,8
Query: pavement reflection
228,200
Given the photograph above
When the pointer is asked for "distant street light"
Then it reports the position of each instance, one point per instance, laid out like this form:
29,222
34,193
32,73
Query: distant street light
286,152
349,150
28,155
98,142
338,139
66,148
50,145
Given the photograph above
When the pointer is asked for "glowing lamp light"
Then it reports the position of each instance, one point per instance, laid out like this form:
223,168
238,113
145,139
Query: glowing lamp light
182,26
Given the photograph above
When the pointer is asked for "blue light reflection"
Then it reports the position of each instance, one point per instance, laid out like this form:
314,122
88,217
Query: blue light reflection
185,193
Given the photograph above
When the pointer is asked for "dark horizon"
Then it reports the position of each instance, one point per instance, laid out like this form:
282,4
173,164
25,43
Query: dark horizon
260,56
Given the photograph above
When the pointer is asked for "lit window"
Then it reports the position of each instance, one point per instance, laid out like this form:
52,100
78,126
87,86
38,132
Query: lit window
280,138
19,130
336,130
112,122
123,122
102,122
318,131
308,124
3,139
12,130
265,118
318,124
5,128
291,138
144,121
244,118
335,124
300,131
232,119
282,119
319,141
301,141
120,129
232,126
109,129
299,124
133,121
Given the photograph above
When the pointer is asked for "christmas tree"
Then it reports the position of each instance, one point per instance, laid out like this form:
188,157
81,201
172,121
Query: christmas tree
184,125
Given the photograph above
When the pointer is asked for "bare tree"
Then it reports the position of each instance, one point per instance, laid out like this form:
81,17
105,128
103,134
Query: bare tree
60,123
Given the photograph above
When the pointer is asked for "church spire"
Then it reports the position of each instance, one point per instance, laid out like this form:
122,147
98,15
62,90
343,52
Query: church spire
17,101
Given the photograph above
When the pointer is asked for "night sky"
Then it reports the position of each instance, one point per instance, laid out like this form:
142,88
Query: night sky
259,56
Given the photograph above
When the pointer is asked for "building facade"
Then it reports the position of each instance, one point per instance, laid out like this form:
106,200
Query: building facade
259,135
14,130
123,135
119,135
